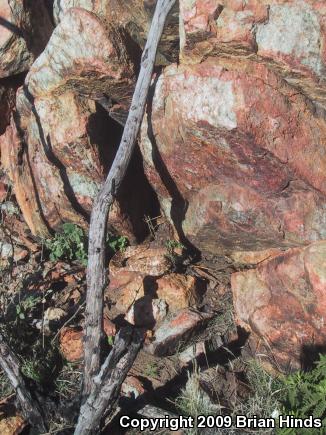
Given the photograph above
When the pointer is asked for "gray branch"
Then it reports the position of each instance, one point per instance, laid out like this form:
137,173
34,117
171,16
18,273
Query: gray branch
97,270
30,408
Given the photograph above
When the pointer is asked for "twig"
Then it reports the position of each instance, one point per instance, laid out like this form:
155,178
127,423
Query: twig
68,321
107,384
29,406
97,270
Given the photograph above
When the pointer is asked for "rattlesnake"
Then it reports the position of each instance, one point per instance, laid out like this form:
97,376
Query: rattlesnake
143,259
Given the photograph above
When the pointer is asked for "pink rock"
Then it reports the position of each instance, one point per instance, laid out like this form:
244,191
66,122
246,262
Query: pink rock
283,303
178,291
24,31
286,35
132,387
134,16
231,151
175,331
91,61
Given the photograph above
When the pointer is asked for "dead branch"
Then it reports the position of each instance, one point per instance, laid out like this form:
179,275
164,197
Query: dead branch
97,270
107,384
30,408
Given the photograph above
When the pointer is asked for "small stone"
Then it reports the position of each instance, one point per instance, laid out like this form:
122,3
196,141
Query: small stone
175,331
132,387
71,344
147,312
192,352
12,425
109,327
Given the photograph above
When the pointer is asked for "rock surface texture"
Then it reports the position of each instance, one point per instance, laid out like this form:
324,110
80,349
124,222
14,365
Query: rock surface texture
25,28
232,152
235,142
283,301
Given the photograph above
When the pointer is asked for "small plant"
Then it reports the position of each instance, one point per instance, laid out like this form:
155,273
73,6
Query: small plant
172,245
194,401
69,244
151,370
26,306
117,243
305,395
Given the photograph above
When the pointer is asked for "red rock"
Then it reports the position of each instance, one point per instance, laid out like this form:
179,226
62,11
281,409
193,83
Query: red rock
95,61
254,257
234,157
71,344
175,331
285,35
178,291
24,31
3,191
283,302
132,387
56,150
134,17
109,327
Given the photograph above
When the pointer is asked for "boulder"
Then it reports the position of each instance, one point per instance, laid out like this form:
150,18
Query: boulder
25,28
60,142
289,36
282,303
231,150
85,57
134,17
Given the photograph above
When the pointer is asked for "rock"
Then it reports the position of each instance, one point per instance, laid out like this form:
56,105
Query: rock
134,17
283,302
12,425
58,177
24,31
93,61
8,88
56,149
176,331
52,154
146,312
287,36
10,252
191,353
71,344
256,141
3,191
254,257
132,387
109,327
143,259
177,290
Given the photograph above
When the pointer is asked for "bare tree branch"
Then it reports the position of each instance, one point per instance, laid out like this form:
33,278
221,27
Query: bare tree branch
29,406
97,270
108,382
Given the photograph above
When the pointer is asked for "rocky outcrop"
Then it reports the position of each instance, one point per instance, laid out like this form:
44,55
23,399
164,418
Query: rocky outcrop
61,143
25,28
283,304
231,150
